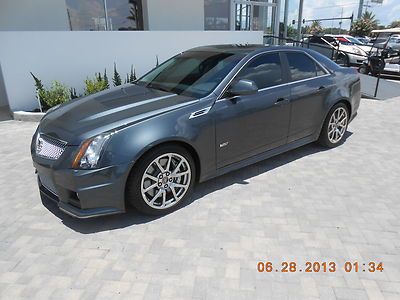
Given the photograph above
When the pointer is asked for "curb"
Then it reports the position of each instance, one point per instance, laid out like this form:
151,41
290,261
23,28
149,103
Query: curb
25,116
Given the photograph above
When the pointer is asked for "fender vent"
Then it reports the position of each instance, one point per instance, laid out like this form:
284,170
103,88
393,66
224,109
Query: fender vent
200,112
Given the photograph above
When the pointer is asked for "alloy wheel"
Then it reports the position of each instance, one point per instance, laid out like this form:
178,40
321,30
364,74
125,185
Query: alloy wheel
166,180
337,125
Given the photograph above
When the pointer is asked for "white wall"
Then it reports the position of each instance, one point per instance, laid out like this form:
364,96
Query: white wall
33,15
72,56
174,14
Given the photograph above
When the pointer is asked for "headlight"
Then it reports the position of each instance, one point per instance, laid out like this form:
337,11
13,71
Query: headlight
90,151
358,51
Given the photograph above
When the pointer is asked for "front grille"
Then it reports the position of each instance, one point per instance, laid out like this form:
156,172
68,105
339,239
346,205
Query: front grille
49,147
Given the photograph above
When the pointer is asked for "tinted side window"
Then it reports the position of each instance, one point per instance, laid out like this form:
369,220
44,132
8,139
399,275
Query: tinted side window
302,67
265,70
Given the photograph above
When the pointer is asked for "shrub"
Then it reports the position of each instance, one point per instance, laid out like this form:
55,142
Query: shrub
105,78
132,76
116,78
57,94
39,92
95,85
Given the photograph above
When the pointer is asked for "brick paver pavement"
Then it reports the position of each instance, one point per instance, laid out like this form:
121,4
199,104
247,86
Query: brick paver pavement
306,205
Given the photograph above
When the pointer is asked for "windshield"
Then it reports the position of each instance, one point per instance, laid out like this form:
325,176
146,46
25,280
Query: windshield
354,41
192,73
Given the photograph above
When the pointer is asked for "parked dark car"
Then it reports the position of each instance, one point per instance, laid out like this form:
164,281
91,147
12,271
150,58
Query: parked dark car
203,113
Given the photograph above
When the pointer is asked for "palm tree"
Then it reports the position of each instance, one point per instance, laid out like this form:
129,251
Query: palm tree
364,25
370,17
315,27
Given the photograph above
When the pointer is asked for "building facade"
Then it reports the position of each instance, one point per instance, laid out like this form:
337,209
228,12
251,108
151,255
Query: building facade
125,15
70,40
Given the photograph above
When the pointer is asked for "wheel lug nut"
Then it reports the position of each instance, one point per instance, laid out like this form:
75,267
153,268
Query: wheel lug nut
160,176
167,173
166,186
170,180
159,184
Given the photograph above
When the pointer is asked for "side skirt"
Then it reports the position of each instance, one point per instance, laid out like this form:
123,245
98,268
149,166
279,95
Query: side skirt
260,157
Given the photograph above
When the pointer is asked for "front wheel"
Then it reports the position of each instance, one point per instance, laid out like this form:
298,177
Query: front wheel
343,60
335,126
161,180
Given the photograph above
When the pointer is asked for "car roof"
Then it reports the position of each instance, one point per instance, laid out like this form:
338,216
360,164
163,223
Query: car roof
229,48
244,49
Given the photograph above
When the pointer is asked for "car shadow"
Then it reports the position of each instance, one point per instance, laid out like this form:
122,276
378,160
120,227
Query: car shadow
133,217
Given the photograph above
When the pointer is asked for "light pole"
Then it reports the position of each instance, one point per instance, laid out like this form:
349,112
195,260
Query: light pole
360,9
285,19
299,21
105,13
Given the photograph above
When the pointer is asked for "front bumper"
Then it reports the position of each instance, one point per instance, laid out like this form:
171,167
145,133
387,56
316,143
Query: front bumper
85,193
357,59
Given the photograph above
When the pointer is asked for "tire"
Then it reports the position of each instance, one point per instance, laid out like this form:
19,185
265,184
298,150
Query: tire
153,188
363,70
343,60
335,126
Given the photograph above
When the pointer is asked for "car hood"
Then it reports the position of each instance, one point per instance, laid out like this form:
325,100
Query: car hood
86,117
367,48
351,49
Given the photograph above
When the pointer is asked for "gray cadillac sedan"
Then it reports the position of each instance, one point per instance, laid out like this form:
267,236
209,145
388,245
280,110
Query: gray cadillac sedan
203,113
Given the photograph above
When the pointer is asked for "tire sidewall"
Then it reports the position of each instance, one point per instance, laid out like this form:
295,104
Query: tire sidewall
345,59
133,184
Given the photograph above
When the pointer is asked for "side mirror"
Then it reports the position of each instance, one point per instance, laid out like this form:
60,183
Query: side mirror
243,87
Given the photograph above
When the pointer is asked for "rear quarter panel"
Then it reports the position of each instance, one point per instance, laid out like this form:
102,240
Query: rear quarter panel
346,89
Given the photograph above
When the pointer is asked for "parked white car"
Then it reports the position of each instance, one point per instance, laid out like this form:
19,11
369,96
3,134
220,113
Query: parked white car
355,51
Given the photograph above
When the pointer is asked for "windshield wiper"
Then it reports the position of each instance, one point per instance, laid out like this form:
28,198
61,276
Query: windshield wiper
157,87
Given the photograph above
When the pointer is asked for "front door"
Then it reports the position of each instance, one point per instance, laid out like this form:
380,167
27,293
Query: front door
249,125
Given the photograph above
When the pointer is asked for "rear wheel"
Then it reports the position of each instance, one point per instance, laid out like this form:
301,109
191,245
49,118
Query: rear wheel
162,180
335,126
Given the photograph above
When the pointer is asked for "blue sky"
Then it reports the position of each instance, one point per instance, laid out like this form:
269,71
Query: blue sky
386,12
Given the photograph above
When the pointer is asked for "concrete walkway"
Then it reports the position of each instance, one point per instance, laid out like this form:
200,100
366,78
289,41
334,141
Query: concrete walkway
310,204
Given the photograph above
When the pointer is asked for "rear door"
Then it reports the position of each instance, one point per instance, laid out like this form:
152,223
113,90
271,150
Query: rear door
310,84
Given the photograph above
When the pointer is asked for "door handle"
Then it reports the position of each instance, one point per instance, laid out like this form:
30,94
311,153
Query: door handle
281,101
321,88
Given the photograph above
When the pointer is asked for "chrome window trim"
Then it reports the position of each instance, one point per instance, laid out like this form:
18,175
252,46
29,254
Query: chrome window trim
281,85
325,70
